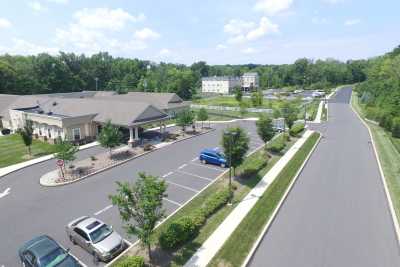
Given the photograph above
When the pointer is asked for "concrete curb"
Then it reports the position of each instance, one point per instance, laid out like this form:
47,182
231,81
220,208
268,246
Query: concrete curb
119,163
383,178
281,202
16,167
178,209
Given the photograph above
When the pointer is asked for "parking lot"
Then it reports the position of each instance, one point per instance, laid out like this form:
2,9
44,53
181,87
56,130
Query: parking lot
178,164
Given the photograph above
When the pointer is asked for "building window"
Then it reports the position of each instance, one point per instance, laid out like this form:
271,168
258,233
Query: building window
49,133
76,132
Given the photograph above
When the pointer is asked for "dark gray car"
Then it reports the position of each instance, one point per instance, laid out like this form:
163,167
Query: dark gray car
96,237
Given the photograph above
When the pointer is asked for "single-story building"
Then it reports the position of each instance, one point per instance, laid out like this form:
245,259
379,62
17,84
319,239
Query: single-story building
79,116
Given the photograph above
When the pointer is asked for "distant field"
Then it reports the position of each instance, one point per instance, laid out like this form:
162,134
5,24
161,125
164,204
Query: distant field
13,150
228,101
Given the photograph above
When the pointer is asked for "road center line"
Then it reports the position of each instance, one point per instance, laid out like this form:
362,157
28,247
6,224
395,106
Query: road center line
182,166
173,202
195,175
183,186
103,210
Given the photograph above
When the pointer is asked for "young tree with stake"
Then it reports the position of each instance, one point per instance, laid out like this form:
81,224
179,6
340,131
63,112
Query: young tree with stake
26,134
110,137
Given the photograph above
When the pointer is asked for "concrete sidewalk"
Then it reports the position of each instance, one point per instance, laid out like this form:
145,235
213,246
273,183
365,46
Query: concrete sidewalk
214,243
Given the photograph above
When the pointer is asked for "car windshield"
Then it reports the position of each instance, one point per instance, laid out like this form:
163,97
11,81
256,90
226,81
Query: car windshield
53,258
100,233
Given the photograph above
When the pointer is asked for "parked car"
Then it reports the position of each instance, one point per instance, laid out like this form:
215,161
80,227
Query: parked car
43,251
5,131
96,237
212,156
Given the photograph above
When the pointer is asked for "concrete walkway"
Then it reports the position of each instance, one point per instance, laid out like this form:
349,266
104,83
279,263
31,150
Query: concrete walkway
214,243
9,169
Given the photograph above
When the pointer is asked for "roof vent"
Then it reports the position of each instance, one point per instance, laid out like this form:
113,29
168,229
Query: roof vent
50,113
55,103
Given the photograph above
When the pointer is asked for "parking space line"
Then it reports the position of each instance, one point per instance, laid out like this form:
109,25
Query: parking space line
166,175
173,202
195,159
128,242
195,175
183,186
103,210
182,166
208,167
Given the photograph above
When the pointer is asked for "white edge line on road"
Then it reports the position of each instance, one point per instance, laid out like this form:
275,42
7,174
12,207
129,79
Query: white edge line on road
174,212
383,178
195,175
166,175
208,167
182,166
103,210
183,186
173,202
275,213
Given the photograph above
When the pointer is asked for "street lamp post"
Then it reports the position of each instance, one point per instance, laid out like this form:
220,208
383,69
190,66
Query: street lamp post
231,135
97,80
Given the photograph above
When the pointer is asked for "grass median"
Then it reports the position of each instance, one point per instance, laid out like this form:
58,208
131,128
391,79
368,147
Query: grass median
239,244
389,155
242,187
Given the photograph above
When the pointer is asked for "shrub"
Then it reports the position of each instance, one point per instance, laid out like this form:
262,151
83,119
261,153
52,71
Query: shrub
148,147
254,166
386,121
178,232
396,127
277,145
373,113
213,203
296,129
130,261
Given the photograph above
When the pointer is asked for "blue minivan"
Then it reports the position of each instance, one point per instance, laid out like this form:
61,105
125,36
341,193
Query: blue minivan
212,156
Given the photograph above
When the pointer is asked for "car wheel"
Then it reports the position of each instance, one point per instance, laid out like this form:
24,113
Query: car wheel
203,161
72,240
223,165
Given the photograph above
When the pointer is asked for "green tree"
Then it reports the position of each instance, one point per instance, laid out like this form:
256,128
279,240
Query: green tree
264,128
140,206
396,127
65,151
235,143
202,115
257,98
184,118
26,134
110,137
238,94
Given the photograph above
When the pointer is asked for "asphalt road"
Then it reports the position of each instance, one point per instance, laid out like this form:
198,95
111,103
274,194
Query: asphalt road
337,213
30,209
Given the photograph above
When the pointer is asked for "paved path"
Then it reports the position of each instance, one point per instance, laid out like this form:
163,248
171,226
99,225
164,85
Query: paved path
337,213
28,209
214,243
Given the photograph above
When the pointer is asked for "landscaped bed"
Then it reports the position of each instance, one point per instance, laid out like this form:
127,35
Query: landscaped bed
249,174
13,150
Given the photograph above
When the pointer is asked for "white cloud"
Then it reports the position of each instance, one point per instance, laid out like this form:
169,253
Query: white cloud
5,23
105,18
164,52
37,6
221,47
319,21
249,31
58,1
249,50
352,22
333,2
23,47
146,34
273,7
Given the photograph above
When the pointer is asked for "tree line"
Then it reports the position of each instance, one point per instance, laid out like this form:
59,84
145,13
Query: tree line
381,91
69,72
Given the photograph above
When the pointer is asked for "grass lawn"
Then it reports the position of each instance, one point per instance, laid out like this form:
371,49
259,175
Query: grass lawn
13,150
237,247
243,186
389,156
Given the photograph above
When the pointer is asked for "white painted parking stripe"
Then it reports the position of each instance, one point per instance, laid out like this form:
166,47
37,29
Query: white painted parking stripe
183,186
166,175
103,210
128,242
173,202
5,193
195,175
195,159
182,166
208,167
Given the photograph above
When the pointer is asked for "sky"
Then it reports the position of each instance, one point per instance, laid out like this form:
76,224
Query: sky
215,31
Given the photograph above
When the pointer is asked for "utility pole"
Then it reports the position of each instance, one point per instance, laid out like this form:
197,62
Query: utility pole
97,80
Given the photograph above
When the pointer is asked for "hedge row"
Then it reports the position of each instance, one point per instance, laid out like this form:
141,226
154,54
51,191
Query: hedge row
187,227
278,144
385,120
130,261
296,129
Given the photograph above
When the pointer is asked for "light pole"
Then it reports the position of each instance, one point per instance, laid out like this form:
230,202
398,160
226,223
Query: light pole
97,80
230,135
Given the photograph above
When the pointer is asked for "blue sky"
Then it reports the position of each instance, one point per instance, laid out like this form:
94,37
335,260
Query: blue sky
219,31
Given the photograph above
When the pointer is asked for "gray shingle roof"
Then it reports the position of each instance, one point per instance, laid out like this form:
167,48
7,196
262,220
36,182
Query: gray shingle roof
5,101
